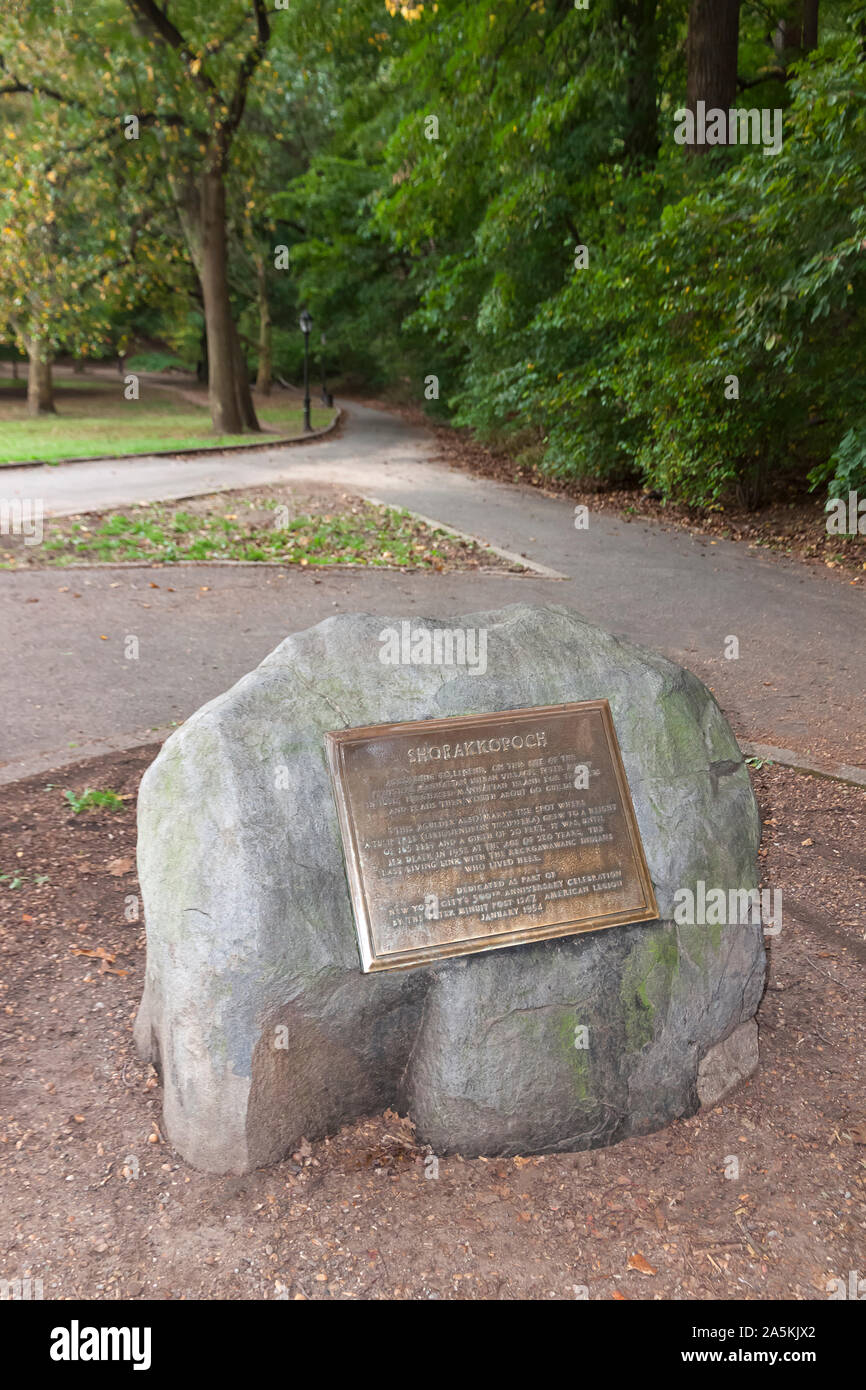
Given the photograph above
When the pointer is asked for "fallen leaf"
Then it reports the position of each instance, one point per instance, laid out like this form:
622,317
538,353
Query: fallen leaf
119,866
642,1265
99,952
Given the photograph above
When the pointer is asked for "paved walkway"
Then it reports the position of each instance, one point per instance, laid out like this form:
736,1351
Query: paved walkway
798,682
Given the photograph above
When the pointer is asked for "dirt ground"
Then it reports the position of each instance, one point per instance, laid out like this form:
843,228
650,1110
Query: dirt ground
97,1205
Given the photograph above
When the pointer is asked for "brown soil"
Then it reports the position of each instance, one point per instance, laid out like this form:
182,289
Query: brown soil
97,1205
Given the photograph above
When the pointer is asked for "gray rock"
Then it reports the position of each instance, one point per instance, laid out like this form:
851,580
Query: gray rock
729,1062
255,1008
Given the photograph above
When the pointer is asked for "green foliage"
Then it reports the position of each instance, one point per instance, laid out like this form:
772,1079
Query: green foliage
154,361
739,265
756,273
91,797
15,880
345,271
845,470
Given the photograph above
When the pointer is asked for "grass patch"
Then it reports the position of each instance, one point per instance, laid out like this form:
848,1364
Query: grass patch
94,418
14,393
263,528
15,880
92,796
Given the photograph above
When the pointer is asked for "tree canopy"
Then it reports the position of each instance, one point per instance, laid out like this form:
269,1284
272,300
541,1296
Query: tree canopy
625,237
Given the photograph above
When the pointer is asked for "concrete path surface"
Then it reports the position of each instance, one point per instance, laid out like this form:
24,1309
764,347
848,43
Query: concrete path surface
798,682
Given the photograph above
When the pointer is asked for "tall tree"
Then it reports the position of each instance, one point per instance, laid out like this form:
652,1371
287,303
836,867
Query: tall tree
797,30
711,56
810,25
639,25
67,222
204,89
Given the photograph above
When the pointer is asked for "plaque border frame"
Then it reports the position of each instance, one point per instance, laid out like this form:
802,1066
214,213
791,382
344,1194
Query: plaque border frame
335,742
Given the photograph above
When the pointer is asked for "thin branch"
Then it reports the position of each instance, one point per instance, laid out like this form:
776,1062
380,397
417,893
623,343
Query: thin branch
262,22
34,89
159,22
246,71
772,74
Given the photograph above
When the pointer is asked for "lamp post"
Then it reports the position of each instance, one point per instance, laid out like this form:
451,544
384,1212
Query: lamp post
306,329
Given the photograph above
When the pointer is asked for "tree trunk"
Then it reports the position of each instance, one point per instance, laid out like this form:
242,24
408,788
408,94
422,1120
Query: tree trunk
201,208
40,388
637,20
711,55
810,25
797,31
263,379
223,393
243,390
201,371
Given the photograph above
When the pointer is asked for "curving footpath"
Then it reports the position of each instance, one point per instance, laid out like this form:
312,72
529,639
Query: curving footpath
67,690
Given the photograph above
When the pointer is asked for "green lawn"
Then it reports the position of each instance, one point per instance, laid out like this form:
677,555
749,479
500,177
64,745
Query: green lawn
17,390
94,418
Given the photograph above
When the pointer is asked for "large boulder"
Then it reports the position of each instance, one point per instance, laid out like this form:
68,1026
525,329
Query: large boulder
255,1008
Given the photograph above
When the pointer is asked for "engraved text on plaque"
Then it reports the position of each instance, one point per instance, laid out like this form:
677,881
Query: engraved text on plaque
484,831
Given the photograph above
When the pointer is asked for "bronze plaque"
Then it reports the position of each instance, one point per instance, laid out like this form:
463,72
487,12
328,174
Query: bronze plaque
489,830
